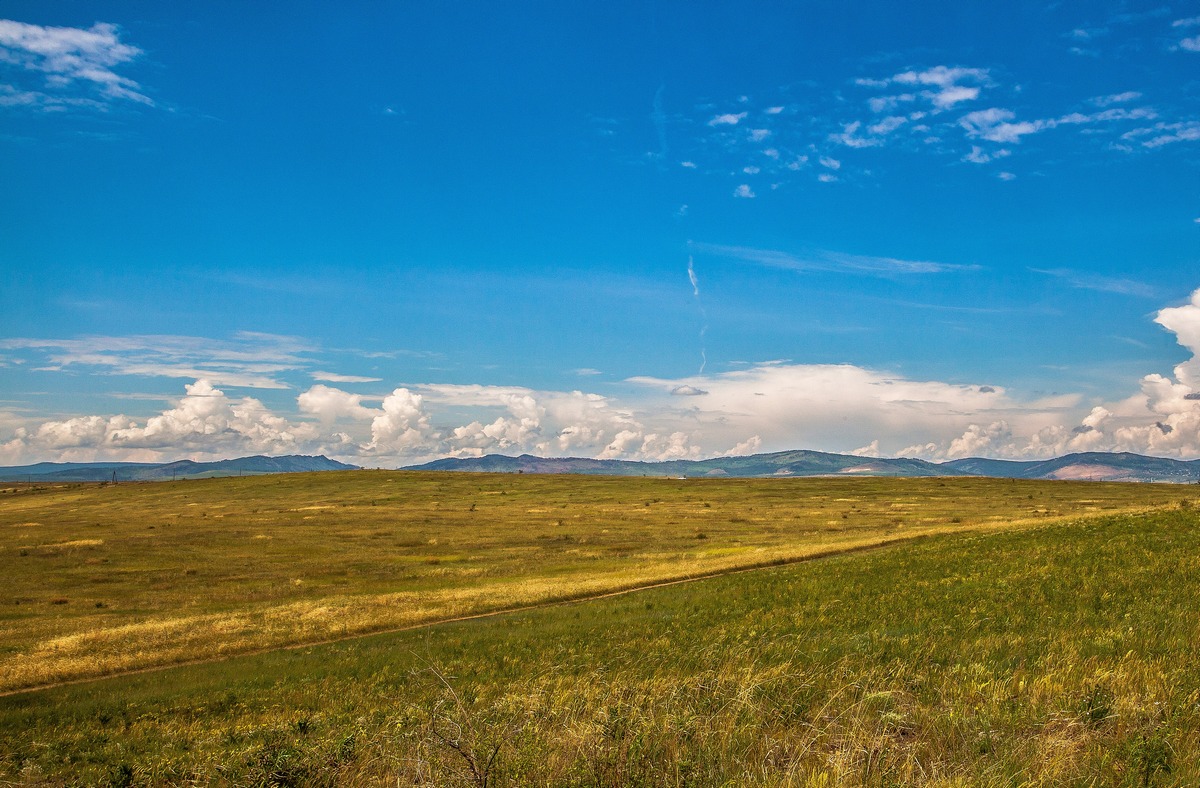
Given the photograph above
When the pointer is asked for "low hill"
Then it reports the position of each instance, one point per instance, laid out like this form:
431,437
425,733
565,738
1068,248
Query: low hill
180,469
1093,466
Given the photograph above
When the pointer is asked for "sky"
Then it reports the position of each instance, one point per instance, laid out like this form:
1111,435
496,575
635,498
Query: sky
393,231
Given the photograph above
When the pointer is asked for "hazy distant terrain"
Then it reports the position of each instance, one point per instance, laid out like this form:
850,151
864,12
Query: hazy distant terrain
180,469
1091,466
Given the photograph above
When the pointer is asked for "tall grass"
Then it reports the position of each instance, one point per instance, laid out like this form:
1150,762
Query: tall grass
1063,655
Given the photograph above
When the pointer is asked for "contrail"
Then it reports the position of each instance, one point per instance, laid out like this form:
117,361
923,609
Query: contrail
696,293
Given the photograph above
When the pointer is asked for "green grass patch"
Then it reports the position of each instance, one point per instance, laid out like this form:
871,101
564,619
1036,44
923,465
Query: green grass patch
1061,655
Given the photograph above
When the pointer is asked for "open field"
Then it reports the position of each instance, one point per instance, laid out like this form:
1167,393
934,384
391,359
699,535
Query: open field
1061,655
103,579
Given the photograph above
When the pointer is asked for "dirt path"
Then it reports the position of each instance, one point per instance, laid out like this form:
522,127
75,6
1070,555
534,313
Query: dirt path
488,614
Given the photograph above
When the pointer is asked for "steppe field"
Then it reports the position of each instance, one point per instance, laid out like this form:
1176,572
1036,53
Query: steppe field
335,629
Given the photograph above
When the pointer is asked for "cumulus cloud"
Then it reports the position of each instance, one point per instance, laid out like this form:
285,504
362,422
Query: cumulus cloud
744,191
402,427
205,422
77,66
330,404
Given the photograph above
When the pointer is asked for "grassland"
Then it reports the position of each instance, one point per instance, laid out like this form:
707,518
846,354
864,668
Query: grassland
1059,655
105,579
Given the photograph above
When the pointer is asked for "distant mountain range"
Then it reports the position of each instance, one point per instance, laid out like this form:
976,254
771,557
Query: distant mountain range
180,469
1099,466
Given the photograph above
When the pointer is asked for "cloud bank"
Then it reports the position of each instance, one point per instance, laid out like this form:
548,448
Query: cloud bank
769,406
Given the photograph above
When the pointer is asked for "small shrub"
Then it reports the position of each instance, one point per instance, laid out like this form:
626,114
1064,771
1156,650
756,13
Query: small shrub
1096,706
1150,756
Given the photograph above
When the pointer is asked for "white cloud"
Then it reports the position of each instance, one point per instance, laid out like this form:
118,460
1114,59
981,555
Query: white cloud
979,156
758,135
1164,134
247,359
842,406
995,125
850,137
69,59
870,450
1190,44
830,163
880,104
1116,98
1086,280
946,83
334,377
887,125
728,119
773,110
330,404
402,426
204,423
744,191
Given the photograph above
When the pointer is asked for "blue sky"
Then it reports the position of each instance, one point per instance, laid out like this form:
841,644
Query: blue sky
394,231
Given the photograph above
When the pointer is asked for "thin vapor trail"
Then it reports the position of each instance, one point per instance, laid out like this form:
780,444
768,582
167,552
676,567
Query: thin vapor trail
700,304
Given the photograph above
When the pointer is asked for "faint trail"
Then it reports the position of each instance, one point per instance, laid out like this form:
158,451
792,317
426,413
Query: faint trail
559,602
